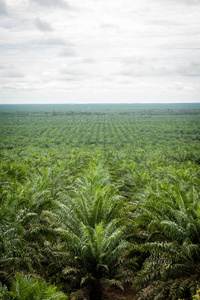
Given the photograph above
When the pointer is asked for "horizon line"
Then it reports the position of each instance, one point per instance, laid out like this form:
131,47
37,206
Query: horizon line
109,103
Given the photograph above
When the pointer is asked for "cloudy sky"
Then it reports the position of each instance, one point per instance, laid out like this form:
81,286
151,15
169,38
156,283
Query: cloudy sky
89,51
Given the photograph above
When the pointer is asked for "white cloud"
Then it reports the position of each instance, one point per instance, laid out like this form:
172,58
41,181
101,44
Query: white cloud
73,73
190,69
50,41
108,26
3,8
101,51
68,52
89,60
43,25
12,74
147,70
52,3
154,66
185,2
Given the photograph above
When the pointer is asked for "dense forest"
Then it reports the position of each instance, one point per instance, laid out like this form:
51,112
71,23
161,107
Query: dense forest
100,202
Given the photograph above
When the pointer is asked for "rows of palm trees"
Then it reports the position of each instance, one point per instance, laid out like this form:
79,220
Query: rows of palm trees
179,129
80,227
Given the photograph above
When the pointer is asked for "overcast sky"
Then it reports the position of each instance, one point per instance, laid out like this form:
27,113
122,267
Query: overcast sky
89,51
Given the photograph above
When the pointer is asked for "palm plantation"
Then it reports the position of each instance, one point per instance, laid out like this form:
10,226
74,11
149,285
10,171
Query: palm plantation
100,205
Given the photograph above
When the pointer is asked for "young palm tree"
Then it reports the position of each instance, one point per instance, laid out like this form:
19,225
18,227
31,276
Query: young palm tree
97,259
91,227
26,288
172,270
24,227
92,200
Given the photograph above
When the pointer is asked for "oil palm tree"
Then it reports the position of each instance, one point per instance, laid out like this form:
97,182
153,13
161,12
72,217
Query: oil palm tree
97,259
172,270
92,228
24,227
26,288
92,199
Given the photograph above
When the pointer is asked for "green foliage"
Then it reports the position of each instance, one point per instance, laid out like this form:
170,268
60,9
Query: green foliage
91,224
93,196
174,222
26,288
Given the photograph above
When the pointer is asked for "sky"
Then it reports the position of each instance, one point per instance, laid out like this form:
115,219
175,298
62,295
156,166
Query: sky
99,51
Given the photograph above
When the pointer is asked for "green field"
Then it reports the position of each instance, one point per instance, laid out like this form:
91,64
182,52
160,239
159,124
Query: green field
100,201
